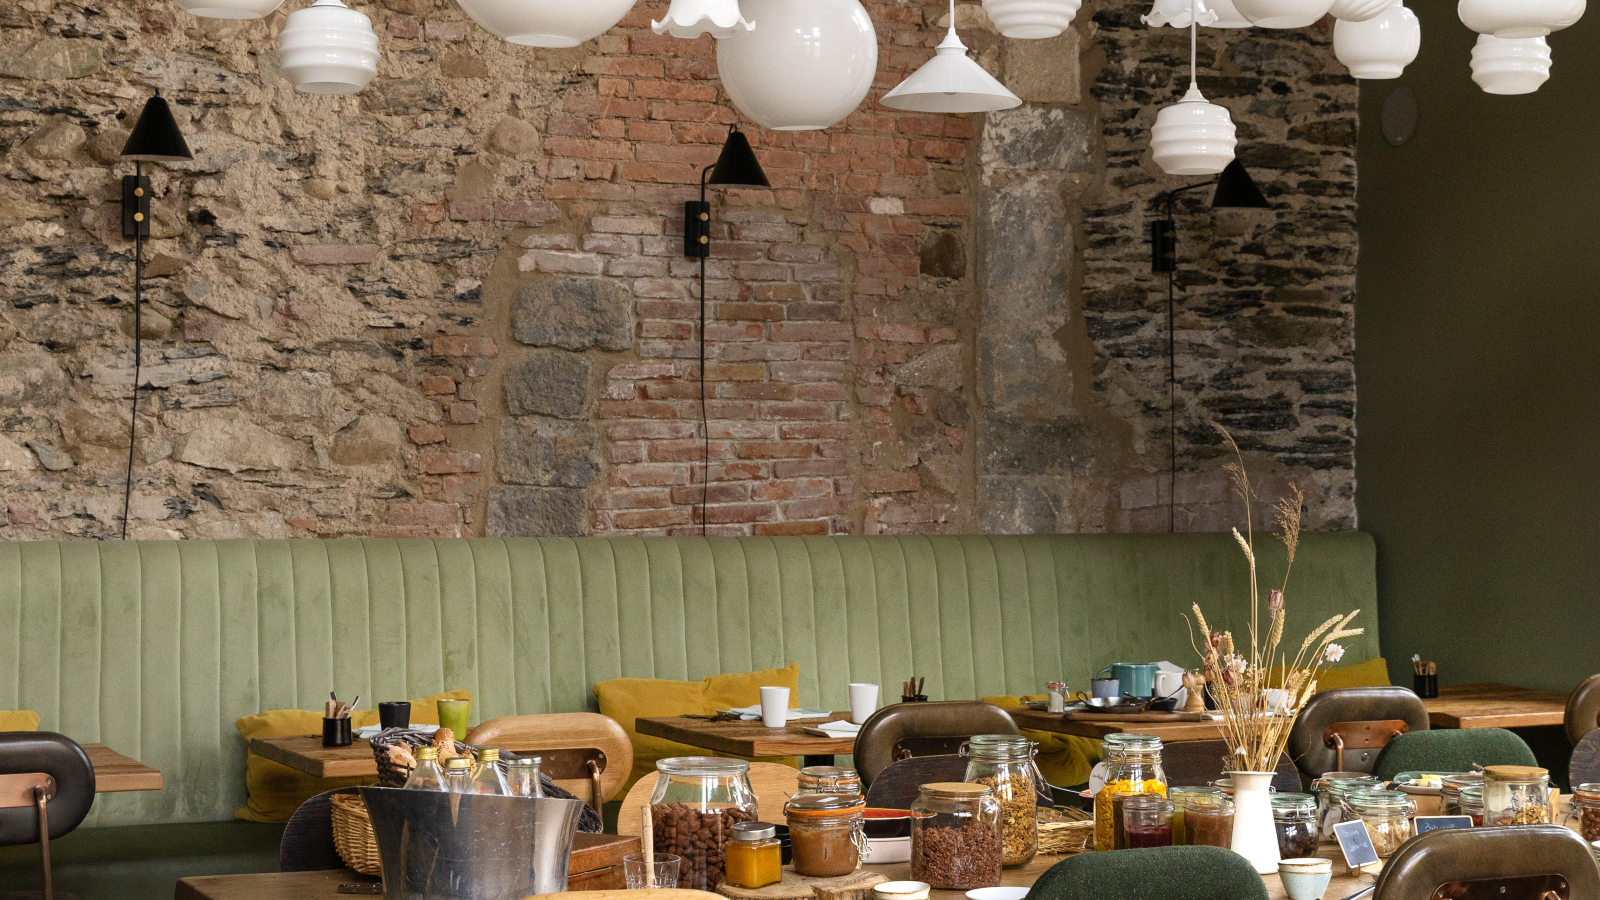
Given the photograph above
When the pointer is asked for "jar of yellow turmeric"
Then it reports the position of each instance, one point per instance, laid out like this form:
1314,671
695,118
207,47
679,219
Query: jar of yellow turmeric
1133,766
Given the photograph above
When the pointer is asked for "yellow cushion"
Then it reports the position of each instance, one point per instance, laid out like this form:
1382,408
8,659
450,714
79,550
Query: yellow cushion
1065,760
1372,673
276,790
627,699
21,720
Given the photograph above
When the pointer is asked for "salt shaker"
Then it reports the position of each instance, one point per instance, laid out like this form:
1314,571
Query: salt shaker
1057,692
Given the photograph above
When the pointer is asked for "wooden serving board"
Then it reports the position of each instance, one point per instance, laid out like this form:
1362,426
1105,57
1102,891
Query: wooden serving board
1151,717
855,886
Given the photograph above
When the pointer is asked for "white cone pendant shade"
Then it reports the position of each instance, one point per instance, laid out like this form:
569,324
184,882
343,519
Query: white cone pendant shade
546,23
1179,14
1031,20
806,66
951,82
230,9
1193,137
328,48
1358,10
692,18
1519,18
1283,13
1381,47
1502,66
1228,15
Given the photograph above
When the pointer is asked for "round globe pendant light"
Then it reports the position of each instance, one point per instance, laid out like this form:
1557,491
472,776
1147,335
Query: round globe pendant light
547,23
1180,14
1031,20
1514,19
1380,47
691,18
1228,15
328,48
1283,13
230,9
1514,66
1193,136
807,66
1358,10
951,82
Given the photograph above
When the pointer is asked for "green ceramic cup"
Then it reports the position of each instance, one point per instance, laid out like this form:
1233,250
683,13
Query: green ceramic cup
453,714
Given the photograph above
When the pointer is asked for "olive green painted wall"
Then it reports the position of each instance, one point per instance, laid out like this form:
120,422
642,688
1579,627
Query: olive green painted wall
1478,361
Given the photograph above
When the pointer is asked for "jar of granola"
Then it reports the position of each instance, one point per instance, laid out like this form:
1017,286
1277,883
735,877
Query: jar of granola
1516,795
1005,763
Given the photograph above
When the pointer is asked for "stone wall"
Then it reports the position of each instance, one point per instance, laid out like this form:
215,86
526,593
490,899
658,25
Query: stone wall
456,302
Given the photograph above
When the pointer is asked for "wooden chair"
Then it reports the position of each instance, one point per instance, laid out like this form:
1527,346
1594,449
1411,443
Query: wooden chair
46,789
307,842
1517,862
1583,710
1199,763
907,730
1339,715
1585,765
773,784
585,753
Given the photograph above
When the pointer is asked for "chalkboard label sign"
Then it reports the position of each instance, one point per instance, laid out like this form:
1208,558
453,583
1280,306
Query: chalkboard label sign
1426,824
1355,842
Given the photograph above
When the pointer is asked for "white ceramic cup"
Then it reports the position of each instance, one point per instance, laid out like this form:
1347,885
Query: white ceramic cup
863,702
774,706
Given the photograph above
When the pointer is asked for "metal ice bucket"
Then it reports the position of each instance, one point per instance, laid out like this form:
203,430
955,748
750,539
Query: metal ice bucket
439,846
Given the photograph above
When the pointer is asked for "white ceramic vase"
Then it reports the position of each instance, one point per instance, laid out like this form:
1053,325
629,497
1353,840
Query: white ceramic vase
1502,66
1358,10
230,9
1379,48
807,65
1512,19
1193,137
1283,13
328,48
1254,836
1031,20
546,23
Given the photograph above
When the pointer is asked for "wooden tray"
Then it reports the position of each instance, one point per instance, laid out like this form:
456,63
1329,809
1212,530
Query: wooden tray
856,886
1073,715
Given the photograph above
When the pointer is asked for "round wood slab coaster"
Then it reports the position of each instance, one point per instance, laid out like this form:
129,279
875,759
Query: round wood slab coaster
855,886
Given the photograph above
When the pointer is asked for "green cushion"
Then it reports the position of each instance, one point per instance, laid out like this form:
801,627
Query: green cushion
143,862
1451,750
1164,873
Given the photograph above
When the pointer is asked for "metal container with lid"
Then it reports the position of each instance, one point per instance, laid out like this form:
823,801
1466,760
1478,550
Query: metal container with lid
955,836
829,780
826,834
1516,795
754,856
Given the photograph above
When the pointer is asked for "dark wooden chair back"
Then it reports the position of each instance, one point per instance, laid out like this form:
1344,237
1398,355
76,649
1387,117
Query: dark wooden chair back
1365,737
1583,710
46,789
906,730
1585,765
1199,763
307,842
1518,862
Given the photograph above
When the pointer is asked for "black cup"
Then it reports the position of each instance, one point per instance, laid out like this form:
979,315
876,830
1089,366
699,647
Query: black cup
1426,686
394,714
336,732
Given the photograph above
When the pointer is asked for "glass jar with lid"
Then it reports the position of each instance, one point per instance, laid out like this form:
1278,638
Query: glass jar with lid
522,777
1331,790
754,856
1584,813
826,833
1450,791
1516,795
1208,820
1180,797
955,837
1133,766
829,780
696,802
1294,819
1471,802
1005,762
1388,817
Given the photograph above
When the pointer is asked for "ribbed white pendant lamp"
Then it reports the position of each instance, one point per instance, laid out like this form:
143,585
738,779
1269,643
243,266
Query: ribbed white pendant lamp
546,23
1380,47
951,82
1180,14
1031,20
1510,66
1192,136
328,48
230,9
806,66
692,18
1514,19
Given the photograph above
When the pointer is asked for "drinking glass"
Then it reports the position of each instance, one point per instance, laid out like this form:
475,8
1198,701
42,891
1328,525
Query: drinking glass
453,714
666,866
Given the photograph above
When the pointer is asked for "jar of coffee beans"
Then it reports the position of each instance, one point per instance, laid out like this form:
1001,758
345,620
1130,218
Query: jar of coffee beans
696,802
955,837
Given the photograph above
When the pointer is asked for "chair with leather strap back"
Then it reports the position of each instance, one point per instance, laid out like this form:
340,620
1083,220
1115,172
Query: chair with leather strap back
1199,763
1450,750
1583,709
585,753
46,789
1516,862
1344,729
1163,873
907,730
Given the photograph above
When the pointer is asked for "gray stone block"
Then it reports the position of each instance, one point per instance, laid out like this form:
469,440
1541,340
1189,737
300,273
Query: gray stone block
548,452
536,512
549,383
573,314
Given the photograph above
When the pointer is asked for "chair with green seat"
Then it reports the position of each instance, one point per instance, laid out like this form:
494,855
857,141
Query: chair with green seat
1163,873
1448,750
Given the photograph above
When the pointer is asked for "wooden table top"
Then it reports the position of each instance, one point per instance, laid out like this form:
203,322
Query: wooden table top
750,739
1495,706
1173,732
115,773
305,753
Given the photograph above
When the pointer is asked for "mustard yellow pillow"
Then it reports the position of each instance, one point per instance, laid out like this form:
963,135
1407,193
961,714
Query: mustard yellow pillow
275,790
1064,760
1372,673
627,699
22,720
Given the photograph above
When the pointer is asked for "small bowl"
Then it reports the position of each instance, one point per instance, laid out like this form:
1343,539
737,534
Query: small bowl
901,890
998,893
888,850
1305,879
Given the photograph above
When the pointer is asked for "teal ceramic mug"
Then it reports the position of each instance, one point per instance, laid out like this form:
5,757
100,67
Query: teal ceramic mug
1137,679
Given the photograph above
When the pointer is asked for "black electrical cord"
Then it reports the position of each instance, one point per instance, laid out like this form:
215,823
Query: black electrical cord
1172,405
705,423
138,356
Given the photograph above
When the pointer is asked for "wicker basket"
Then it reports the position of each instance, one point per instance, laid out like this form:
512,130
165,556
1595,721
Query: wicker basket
1065,831
352,834
389,774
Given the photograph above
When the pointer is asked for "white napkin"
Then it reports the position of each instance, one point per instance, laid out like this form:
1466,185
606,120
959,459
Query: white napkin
840,729
366,732
754,712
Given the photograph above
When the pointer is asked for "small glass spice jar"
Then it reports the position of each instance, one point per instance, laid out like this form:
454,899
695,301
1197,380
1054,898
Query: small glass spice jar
1584,811
1147,822
1450,791
826,835
1208,821
1294,819
1471,803
1005,763
829,780
955,837
754,857
1180,798
1516,795
1388,817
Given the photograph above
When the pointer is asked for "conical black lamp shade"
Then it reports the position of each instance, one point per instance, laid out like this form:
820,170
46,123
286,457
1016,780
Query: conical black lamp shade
156,137
738,166
1237,190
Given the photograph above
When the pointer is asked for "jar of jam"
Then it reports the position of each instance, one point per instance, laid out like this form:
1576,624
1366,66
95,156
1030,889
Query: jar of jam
1516,795
1180,798
1147,821
754,856
829,780
826,834
1294,819
1450,791
1208,821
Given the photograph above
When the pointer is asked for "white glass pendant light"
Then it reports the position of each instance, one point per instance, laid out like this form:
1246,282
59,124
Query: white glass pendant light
1381,47
1193,136
1514,66
230,9
1180,14
692,18
1031,20
1228,15
1283,13
1519,18
951,82
547,23
1358,10
807,66
328,48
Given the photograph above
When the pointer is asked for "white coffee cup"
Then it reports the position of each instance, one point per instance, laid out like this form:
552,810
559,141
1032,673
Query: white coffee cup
774,706
863,702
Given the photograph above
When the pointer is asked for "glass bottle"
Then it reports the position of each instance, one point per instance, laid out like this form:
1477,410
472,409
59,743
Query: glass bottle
1134,766
522,777
826,834
829,780
1388,817
955,837
1208,821
1516,795
1584,812
754,856
1180,798
695,804
1005,763
1294,818
458,775
1450,791
1147,822
427,776
487,777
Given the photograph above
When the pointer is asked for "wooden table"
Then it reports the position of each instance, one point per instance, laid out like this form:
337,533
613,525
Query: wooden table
1495,706
306,754
751,739
115,773
1173,732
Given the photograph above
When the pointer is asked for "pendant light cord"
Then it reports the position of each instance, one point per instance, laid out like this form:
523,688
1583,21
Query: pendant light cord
138,355
1194,46
705,423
